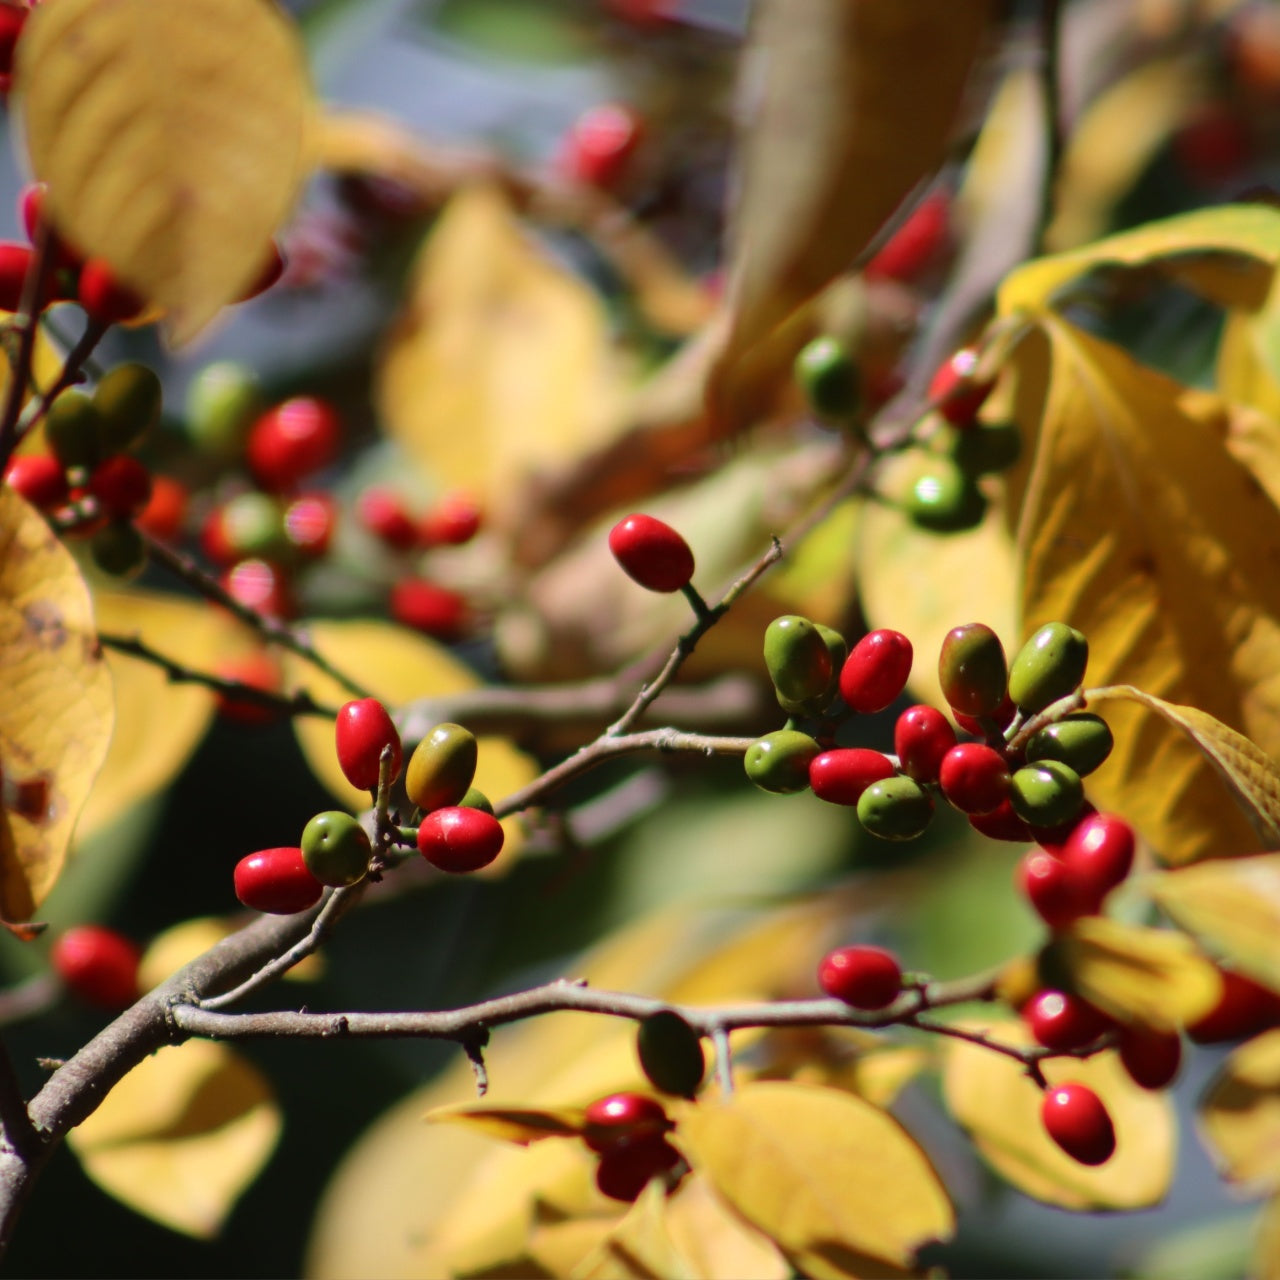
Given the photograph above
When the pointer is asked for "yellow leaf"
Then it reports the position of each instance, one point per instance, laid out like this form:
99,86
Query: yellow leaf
1138,527
1240,1116
158,723
1267,1248
55,716
181,943
993,1098
182,1136
1232,905
396,665
715,1240
499,365
639,1245
521,1125
1244,373
817,1171
1153,977
171,137
857,103
1226,253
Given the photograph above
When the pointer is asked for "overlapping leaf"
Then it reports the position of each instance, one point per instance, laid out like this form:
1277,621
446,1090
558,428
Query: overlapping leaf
1240,1116
172,138
56,708
521,1125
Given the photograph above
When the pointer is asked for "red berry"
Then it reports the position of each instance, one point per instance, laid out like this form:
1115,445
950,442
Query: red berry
921,737
651,553
308,523
122,485
431,609
1244,1008
627,1168
1099,852
841,775
1003,716
1062,1022
1055,838
276,881
916,243
99,965
1002,823
453,521
272,270
622,1117
956,393
291,442
361,731
876,671
457,839
1151,1058
600,145
383,514
974,777
1076,1120
15,259
1213,146
31,214
256,671
864,977
13,18
105,298
1051,889
166,509
257,585
643,13
39,478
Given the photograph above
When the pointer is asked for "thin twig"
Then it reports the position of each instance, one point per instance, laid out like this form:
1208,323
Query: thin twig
724,1060
1051,88
34,287
19,1133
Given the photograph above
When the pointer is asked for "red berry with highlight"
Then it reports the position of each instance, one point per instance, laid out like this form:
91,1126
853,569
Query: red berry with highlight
1151,1058
122,485
427,607
1074,1117
40,479
276,881
1050,887
1244,1008
651,553
956,391
862,976
841,775
621,1117
98,964
600,145
974,777
309,522
259,585
921,737
1062,1022
105,298
627,1168
457,839
1099,852
876,671
292,441
362,730
916,244
452,522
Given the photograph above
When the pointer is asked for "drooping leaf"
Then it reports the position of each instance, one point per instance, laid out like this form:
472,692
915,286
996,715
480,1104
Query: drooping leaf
1246,372
172,139
1138,526
521,1125
826,158
182,1136
715,1240
1239,1118
639,1245
56,707
818,1171
992,1097
1233,906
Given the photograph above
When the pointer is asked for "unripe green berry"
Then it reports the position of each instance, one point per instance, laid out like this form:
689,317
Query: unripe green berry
128,401
336,848
895,809
119,550
73,429
944,499
972,670
779,762
253,525
1046,794
986,450
223,400
1081,741
442,767
476,799
828,378
1048,667
798,660
670,1053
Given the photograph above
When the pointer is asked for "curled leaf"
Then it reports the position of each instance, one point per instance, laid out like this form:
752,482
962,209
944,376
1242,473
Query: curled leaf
521,1125
1240,1116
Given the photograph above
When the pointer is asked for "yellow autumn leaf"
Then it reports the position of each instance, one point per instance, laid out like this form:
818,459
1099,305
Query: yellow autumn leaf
499,364
715,1240
182,1136
1239,1118
856,104
1152,977
396,665
1138,526
1266,1265
1227,253
1245,371
172,138
521,1125
992,1097
639,1245
1230,904
818,1171
159,723
183,942
56,710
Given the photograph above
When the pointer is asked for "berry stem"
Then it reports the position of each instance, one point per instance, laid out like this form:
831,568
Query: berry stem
724,1060
1022,733
26,322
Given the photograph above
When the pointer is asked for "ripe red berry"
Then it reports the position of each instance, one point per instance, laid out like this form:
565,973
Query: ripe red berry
1076,1120
122,485
1099,852
864,977
309,522
39,478
1151,1058
622,1117
916,244
876,671
974,777
362,730
1002,823
277,882
434,610
956,392
31,214
15,259
258,670
259,586
382,513
1062,1022
1244,1008
13,18
166,509
600,145
106,298
651,553
453,521
457,839
1051,889
99,965
841,775
921,737
291,442
627,1168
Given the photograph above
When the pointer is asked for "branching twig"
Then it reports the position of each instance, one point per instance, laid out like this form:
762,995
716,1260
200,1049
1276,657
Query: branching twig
27,321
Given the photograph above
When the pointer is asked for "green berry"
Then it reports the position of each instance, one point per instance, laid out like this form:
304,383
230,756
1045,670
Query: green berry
336,848
1082,741
73,429
895,809
442,767
838,648
253,525
119,550
828,378
779,762
972,670
223,400
1048,667
670,1053
798,660
986,450
944,499
1046,794
128,399
476,799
